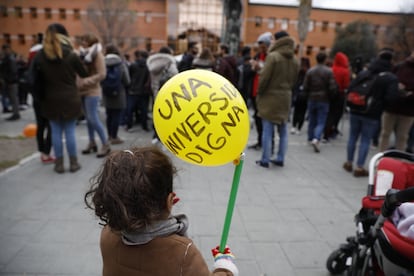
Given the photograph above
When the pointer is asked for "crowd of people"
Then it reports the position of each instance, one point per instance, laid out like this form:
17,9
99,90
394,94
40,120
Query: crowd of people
278,88
281,91
69,82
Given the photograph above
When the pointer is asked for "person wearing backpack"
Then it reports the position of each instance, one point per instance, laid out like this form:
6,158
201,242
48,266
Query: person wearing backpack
113,89
162,66
363,122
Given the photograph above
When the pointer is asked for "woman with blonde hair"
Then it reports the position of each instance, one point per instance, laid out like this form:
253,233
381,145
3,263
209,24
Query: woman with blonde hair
57,66
91,92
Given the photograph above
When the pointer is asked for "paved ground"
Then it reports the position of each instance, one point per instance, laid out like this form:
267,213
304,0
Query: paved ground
286,221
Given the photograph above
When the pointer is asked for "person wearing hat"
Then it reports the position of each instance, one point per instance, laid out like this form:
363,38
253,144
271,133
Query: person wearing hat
362,126
57,67
257,64
398,115
274,95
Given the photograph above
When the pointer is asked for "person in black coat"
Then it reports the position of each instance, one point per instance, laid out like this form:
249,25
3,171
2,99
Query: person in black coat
139,90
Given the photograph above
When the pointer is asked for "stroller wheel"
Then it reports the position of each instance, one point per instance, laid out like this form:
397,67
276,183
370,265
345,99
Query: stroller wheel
336,262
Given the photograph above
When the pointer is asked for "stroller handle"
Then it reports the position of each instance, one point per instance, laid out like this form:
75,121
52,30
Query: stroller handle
395,198
399,154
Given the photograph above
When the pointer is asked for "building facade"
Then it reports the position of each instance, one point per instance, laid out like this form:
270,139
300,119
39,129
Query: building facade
155,23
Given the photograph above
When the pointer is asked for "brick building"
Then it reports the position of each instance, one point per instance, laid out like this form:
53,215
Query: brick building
173,22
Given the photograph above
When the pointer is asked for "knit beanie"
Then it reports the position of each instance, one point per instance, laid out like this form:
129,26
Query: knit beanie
280,34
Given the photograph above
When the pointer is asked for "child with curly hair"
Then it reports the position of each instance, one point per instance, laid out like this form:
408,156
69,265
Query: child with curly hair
133,196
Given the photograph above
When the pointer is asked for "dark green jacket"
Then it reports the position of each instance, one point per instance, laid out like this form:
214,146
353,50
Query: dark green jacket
276,81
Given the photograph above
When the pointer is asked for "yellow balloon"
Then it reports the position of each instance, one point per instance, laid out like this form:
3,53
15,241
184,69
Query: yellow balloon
201,118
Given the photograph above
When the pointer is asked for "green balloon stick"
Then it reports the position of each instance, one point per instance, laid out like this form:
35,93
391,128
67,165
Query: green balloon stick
231,203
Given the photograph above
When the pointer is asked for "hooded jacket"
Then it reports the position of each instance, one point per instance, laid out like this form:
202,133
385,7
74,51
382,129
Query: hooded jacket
159,248
342,74
156,64
276,81
118,102
60,99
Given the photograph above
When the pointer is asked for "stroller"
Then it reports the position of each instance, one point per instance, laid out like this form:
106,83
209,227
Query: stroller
378,248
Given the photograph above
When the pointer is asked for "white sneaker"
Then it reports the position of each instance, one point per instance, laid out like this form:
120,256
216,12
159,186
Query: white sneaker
293,130
315,145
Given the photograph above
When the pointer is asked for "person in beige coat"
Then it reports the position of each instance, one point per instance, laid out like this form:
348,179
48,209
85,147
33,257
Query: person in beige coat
274,96
133,196
91,92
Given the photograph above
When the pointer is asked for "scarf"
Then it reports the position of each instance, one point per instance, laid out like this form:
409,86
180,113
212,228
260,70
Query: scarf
173,225
89,53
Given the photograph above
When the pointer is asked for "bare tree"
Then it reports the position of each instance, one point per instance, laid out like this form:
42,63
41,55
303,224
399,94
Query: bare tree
113,21
305,7
400,34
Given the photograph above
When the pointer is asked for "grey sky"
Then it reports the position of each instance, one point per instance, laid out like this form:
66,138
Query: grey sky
389,6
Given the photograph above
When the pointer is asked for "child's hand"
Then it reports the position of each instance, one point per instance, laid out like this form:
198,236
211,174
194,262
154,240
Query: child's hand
224,260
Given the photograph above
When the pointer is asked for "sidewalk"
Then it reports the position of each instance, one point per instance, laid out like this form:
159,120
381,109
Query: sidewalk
286,222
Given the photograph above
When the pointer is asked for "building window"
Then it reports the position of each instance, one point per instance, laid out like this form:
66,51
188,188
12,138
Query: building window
375,29
338,25
309,50
311,25
322,48
3,11
148,44
62,13
33,12
258,21
271,22
148,17
285,24
76,14
7,39
21,38
325,25
48,13
18,11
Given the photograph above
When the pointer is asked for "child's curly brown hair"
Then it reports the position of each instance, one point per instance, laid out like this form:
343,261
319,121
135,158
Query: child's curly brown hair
131,188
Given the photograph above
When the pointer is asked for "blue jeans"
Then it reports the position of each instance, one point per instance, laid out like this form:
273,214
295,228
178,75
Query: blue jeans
364,128
68,127
317,113
267,139
90,106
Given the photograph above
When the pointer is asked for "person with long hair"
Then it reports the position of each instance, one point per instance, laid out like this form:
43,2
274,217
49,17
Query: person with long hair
58,65
91,91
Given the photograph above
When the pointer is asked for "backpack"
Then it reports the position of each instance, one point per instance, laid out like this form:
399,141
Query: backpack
165,75
359,97
112,84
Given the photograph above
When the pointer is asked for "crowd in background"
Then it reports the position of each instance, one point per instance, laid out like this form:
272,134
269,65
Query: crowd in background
69,83
316,94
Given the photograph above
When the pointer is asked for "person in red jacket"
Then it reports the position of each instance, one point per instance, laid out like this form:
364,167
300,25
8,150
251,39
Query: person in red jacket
342,75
